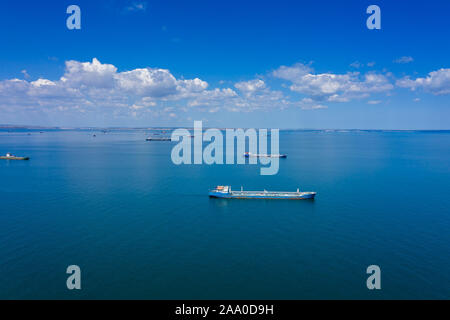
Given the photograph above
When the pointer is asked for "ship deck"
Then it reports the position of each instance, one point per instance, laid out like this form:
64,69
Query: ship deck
269,194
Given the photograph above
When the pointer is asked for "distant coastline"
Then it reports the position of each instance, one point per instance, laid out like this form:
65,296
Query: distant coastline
33,127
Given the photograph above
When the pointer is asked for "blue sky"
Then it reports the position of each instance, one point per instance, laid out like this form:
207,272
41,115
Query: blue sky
280,64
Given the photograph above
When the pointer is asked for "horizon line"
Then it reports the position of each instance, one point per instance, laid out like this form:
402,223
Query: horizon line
31,127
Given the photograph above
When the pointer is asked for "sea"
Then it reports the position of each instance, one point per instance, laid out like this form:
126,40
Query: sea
141,227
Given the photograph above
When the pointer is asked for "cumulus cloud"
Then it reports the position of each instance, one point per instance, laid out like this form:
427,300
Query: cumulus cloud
310,104
93,85
147,82
87,86
355,64
250,86
25,74
332,87
251,95
187,88
88,74
99,84
136,6
314,107
212,97
257,95
292,73
42,83
437,82
404,59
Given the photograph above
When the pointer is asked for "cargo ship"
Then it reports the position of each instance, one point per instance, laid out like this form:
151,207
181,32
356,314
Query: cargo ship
10,156
226,192
158,139
264,155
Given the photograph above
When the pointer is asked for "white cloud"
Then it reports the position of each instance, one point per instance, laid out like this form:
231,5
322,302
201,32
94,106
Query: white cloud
292,73
212,97
84,74
25,74
250,86
437,82
333,87
95,84
307,100
310,104
188,88
253,95
42,82
147,82
314,107
404,59
136,6
357,64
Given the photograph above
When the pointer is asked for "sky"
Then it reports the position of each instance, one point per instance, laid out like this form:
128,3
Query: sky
277,64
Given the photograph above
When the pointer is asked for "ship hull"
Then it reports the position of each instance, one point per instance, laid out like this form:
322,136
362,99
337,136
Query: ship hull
263,195
14,158
265,155
158,139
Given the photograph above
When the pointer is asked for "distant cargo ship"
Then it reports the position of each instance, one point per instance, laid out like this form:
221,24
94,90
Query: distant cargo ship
264,155
158,139
10,156
225,192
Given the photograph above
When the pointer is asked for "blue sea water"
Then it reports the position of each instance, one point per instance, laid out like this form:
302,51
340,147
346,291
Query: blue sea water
141,227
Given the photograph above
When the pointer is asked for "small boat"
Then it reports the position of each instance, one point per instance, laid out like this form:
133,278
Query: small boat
158,139
10,156
264,155
226,192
